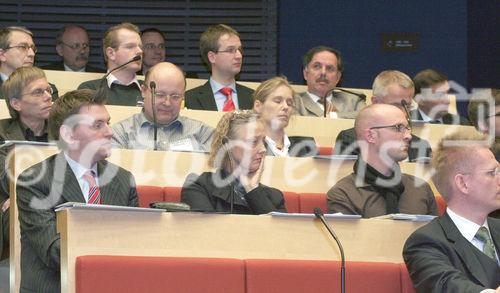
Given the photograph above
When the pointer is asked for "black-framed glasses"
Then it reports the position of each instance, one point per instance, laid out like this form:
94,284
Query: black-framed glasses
401,128
150,46
24,47
77,46
231,50
39,92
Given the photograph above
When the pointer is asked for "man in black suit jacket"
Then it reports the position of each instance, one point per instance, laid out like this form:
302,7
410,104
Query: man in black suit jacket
221,50
431,95
458,252
389,87
122,43
85,140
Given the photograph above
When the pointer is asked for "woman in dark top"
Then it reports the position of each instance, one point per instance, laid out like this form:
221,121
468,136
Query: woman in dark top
273,100
237,155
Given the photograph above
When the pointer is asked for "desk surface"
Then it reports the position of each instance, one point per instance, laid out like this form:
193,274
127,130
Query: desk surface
228,236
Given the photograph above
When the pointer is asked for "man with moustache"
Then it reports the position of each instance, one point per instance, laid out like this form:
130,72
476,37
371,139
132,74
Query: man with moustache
377,187
222,52
72,45
121,43
17,50
175,132
79,173
322,71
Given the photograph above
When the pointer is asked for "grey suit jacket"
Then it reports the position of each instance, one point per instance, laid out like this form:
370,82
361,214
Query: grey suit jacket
59,65
202,98
440,259
347,104
447,118
46,185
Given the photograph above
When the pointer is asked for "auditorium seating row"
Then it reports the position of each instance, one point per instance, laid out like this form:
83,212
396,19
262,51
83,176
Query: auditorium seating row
304,202
184,274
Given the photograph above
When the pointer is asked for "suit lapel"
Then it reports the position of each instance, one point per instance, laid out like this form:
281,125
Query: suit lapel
495,232
206,97
70,189
107,173
463,249
244,101
311,106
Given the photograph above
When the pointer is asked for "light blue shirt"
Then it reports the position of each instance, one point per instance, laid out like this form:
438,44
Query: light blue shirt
220,98
79,171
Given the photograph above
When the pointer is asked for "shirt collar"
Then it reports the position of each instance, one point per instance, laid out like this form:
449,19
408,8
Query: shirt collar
426,118
467,228
112,79
317,98
277,152
217,86
67,68
77,168
3,76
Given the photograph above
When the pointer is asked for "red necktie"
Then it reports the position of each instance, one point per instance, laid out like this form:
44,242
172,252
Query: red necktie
228,104
94,192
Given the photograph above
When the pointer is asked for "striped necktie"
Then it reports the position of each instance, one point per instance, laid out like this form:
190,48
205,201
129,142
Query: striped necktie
94,196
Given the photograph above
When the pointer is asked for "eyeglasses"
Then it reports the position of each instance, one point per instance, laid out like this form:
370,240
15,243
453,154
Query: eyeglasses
24,47
231,50
401,128
319,67
153,46
77,46
39,92
173,97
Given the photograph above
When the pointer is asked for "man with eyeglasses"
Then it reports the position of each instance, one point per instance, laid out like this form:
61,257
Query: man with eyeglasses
29,100
431,95
72,44
174,132
390,87
153,41
121,44
322,72
459,251
377,186
222,52
17,49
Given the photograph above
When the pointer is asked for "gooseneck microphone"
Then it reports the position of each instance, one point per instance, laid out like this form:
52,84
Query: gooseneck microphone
361,96
135,59
152,87
319,214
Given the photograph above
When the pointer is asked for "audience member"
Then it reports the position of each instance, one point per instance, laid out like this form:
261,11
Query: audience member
174,132
377,186
274,102
389,87
79,173
73,46
322,72
222,52
458,252
431,95
17,49
153,42
237,155
121,43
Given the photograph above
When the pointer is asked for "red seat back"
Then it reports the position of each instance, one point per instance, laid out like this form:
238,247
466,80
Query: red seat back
291,201
172,193
148,194
308,201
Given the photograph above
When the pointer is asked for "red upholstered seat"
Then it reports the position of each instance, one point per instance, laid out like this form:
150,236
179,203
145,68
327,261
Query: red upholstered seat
308,201
298,276
325,151
158,274
172,193
291,201
406,283
148,194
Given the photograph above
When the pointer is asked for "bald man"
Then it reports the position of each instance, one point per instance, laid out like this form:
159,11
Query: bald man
175,132
377,187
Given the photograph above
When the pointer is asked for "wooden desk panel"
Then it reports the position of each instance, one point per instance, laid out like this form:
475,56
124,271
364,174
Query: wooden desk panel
228,236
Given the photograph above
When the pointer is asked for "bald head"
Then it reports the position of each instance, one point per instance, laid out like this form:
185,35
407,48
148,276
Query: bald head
170,87
375,115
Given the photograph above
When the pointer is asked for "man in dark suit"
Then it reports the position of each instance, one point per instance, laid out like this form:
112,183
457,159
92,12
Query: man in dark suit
431,95
389,87
322,71
79,173
222,52
72,45
458,252
17,49
121,43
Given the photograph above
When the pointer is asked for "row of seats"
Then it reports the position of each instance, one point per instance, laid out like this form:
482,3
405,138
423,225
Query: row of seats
185,274
295,202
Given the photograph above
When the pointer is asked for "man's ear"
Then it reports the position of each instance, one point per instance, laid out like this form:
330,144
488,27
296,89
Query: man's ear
2,55
370,135
59,49
66,134
15,104
460,181
110,53
211,57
